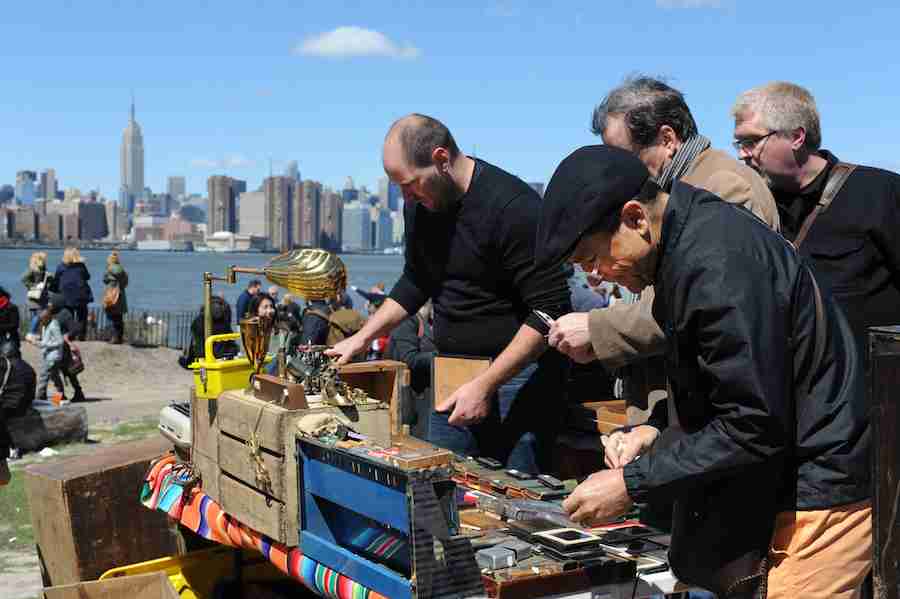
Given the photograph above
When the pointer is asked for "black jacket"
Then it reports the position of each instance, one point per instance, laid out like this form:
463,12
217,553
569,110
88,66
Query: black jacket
854,246
412,342
16,395
755,400
72,283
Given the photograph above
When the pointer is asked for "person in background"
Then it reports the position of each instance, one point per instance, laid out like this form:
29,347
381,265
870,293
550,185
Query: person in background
9,319
273,293
51,345
584,298
296,312
220,311
71,280
116,277
70,329
35,281
262,305
243,301
17,385
329,322
412,343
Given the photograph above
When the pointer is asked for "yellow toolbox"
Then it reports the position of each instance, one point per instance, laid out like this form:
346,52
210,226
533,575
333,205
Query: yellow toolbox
212,376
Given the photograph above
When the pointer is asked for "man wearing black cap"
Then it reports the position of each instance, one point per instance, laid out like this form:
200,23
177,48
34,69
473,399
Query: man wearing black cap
765,376
470,233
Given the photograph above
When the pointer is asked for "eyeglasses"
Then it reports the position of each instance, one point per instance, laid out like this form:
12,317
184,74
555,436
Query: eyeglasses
749,144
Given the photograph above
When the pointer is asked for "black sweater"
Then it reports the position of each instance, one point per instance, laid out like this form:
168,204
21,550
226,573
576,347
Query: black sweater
854,246
477,264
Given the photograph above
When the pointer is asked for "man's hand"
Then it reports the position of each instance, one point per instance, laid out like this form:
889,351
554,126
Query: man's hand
621,448
5,475
349,347
570,335
470,404
598,499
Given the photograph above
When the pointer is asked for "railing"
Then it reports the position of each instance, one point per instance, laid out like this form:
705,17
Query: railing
145,328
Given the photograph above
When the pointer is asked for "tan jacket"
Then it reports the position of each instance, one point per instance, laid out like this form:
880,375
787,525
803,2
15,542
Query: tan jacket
623,332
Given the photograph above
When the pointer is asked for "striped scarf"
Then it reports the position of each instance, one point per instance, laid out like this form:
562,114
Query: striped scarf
681,162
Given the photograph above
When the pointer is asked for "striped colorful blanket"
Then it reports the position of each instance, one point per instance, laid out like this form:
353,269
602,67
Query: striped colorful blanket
164,489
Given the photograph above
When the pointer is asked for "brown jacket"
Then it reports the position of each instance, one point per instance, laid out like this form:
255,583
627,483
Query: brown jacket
624,332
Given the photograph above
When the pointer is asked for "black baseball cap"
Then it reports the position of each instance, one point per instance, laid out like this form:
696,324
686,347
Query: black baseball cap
588,187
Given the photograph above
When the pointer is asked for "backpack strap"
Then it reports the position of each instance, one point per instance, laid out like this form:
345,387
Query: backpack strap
839,174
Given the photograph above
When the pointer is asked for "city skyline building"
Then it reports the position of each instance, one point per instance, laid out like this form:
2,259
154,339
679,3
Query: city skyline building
395,197
176,187
131,163
308,220
49,185
332,220
356,226
292,170
221,215
25,187
280,203
252,214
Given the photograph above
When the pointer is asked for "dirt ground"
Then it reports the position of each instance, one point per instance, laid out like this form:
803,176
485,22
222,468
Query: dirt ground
126,387
123,382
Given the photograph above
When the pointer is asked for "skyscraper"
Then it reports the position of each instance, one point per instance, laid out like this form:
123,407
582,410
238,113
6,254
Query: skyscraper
332,220
308,221
222,214
25,181
48,185
252,214
292,171
131,162
350,194
356,227
279,192
395,197
176,187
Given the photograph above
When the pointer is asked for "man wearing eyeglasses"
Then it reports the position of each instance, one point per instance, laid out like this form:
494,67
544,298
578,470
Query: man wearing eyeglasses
854,242
845,221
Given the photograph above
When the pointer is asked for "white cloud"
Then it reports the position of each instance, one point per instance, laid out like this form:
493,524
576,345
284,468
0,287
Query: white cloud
689,3
224,163
352,41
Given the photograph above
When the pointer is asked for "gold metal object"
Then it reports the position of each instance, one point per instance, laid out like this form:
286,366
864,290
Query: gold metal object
313,274
256,332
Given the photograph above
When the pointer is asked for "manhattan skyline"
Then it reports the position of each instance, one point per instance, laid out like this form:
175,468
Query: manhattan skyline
223,89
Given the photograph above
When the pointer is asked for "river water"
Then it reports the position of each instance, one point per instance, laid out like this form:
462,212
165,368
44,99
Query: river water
172,281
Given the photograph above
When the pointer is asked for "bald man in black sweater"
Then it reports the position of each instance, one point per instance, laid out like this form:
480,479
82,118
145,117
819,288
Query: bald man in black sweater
470,234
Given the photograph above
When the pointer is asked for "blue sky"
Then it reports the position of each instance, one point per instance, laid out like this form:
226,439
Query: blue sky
224,86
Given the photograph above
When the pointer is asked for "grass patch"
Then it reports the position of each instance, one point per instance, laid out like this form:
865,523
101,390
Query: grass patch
15,514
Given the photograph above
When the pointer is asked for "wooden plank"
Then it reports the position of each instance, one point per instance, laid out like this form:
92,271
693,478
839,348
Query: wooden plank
204,425
142,586
234,458
48,425
208,469
249,506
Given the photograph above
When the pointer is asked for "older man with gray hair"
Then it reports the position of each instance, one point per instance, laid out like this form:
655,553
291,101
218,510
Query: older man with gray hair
651,119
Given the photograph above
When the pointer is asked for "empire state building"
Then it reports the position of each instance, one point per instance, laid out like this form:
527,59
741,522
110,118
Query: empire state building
131,164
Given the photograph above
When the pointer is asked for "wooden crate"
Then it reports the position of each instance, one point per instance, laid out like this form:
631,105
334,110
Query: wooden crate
87,516
222,427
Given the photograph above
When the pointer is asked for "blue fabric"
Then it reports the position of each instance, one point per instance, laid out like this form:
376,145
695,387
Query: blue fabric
526,416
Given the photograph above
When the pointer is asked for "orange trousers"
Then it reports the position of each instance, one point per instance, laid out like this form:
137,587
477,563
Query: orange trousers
821,553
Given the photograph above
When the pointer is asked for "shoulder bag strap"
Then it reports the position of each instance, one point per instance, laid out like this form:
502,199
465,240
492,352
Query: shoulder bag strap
6,376
836,179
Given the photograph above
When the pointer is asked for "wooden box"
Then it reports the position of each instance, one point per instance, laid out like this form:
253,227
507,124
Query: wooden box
222,427
883,385
87,515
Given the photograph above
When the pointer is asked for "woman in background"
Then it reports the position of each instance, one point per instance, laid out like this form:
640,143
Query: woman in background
116,280
35,280
72,278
